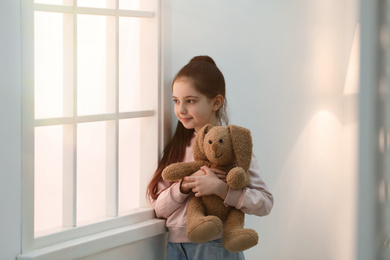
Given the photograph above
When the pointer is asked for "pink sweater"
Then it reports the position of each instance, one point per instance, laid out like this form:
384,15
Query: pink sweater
172,205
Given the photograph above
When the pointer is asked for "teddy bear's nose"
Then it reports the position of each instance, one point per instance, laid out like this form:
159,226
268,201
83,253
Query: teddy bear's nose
214,147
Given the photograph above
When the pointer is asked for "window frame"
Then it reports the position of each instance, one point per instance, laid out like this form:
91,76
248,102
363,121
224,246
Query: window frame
136,216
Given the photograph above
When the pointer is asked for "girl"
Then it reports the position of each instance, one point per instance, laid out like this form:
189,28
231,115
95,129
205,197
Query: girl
199,97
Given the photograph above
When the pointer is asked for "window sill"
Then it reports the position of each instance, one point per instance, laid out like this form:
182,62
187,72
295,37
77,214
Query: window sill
92,244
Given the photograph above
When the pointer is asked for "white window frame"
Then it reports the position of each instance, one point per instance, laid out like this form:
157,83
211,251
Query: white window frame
125,228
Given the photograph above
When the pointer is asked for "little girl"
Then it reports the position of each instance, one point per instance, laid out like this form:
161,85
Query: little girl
199,97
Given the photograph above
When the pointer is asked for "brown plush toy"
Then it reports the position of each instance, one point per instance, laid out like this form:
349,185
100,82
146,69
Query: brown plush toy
230,150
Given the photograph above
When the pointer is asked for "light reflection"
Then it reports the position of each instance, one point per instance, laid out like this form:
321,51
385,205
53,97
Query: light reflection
351,86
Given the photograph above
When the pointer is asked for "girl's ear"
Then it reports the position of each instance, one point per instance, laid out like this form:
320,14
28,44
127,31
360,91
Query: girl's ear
242,145
218,101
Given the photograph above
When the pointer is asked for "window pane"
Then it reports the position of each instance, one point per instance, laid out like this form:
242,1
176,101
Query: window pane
54,2
48,177
97,3
129,64
129,164
129,4
48,73
95,65
91,171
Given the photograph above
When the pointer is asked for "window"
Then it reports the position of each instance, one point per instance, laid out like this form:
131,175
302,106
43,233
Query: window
90,115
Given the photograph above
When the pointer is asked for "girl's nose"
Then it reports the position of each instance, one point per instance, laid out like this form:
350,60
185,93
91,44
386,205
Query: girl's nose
182,109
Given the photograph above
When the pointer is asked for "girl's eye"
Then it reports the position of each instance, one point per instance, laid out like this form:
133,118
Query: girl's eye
191,101
175,101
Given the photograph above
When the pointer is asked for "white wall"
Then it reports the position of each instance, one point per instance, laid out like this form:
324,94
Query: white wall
285,65
10,131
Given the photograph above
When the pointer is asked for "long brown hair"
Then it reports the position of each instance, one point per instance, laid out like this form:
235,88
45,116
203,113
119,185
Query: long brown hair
208,80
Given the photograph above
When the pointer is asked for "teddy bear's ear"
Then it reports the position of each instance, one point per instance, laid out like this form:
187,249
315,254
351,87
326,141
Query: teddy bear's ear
198,148
242,145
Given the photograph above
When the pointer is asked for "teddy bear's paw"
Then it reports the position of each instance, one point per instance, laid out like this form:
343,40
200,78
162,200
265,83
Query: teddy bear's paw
237,178
205,229
240,240
172,173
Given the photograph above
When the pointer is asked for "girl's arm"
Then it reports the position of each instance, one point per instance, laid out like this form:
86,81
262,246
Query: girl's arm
254,199
169,199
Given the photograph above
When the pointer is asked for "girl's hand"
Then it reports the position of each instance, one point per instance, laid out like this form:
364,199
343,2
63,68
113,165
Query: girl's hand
220,174
183,183
213,181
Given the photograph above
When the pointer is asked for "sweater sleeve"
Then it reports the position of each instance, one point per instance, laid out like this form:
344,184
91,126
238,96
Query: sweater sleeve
169,200
255,199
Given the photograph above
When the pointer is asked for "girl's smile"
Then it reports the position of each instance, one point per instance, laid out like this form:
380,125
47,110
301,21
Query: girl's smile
185,120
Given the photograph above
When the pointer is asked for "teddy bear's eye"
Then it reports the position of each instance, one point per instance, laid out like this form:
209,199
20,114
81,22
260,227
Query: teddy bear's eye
221,141
210,142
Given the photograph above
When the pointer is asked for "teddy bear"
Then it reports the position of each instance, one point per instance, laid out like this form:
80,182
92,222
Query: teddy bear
230,150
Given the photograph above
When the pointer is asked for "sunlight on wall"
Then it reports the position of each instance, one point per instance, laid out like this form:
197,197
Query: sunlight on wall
327,130
318,195
352,79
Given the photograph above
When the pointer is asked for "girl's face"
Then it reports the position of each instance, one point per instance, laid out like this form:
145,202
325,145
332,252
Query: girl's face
192,108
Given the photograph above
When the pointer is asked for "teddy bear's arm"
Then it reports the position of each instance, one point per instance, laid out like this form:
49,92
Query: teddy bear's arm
238,178
178,171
